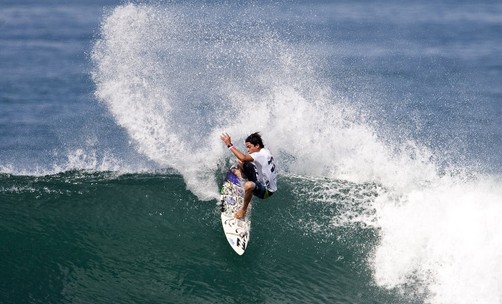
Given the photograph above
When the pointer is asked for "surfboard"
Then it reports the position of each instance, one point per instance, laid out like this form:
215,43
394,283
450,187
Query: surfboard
232,198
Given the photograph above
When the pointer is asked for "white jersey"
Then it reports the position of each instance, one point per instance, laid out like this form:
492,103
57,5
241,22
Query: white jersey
265,166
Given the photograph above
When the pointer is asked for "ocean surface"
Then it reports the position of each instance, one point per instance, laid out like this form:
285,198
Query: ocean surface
384,117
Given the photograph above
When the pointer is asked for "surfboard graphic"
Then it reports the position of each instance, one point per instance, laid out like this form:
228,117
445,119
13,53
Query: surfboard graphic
232,198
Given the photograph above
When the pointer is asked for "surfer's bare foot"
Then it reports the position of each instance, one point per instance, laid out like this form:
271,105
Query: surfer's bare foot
240,214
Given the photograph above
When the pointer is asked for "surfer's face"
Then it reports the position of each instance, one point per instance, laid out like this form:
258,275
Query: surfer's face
252,148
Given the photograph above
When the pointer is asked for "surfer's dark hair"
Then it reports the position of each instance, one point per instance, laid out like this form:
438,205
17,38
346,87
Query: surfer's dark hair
255,139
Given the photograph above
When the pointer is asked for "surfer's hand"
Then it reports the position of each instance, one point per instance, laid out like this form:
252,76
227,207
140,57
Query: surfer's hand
225,137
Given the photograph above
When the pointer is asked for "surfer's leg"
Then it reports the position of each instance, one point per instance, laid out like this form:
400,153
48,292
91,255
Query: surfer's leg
249,171
248,194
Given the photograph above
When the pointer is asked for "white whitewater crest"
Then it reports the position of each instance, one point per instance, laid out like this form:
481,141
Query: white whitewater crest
445,234
80,159
176,77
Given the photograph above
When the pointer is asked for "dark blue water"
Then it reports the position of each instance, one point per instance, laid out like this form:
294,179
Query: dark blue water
385,119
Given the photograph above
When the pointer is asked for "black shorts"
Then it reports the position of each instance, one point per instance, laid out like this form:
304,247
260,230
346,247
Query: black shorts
249,171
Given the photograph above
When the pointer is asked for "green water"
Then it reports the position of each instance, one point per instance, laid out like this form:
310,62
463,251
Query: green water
104,238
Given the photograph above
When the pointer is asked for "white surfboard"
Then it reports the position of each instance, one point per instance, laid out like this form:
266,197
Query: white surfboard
232,199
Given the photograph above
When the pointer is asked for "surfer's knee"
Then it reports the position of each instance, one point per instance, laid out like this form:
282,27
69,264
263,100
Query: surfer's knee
249,186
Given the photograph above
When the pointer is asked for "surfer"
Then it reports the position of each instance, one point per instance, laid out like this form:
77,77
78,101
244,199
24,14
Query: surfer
257,166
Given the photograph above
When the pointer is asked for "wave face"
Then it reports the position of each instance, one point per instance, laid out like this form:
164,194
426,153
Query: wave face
139,238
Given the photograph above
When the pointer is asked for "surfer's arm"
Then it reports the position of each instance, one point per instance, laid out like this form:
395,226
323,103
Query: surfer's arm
240,156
